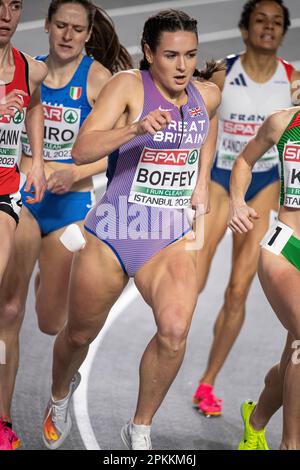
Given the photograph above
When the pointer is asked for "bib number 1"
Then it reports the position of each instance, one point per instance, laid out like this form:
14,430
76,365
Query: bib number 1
276,238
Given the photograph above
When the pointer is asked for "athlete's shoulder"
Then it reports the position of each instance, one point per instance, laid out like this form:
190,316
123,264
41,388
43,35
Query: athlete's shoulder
132,75
288,67
125,80
98,76
210,93
279,114
37,69
279,120
295,75
99,72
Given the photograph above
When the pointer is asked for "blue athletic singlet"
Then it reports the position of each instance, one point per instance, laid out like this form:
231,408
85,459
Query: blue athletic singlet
65,110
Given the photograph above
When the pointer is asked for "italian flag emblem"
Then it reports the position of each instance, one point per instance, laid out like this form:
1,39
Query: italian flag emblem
75,92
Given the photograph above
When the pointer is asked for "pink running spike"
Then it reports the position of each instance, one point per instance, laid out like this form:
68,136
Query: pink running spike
211,406
203,391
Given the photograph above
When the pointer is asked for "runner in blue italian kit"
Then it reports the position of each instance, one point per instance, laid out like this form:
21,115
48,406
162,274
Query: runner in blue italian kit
68,95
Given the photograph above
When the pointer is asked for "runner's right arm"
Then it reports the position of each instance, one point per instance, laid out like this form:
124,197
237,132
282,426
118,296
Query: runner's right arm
268,135
10,102
98,136
34,124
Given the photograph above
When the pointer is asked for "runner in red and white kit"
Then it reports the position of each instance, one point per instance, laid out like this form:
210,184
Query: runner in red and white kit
21,77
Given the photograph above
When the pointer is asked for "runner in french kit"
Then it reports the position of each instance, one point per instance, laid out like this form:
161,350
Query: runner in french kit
279,274
68,94
161,126
20,105
255,83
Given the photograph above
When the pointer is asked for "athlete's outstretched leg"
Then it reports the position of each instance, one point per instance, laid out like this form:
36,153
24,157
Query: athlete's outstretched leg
244,266
271,398
91,296
13,295
173,270
7,228
215,226
52,283
280,281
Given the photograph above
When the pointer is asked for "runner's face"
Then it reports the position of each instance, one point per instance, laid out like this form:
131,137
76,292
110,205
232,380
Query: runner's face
173,63
68,31
265,27
10,12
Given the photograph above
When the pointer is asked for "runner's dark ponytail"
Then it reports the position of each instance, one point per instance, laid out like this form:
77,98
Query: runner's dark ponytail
103,45
211,67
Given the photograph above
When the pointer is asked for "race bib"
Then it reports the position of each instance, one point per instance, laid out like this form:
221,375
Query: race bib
234,139
276,238
61,127
165,177
291,157
10,138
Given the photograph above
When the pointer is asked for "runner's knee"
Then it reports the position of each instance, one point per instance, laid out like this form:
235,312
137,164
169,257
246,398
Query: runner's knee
11,312
235,297
50,321
48,327
173,327
79,339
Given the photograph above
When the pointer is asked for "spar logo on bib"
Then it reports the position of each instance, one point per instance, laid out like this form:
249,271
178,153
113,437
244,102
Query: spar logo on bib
193,157
71,116
19,117
172,157
292,152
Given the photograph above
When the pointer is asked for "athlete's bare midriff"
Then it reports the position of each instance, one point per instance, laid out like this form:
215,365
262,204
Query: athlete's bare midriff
291,217
50,167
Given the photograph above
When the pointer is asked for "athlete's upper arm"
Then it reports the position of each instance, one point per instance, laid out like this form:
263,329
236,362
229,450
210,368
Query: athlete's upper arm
296,87
267,136
114,99
37,73
97,77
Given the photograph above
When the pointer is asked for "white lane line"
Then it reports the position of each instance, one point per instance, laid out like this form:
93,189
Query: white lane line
132,10
81,407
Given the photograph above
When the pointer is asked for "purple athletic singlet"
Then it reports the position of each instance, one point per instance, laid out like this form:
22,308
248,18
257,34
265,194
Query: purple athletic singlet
150,182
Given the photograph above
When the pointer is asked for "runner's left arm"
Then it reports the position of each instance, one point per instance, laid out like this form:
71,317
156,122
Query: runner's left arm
34,125
200,196
241,215
61,181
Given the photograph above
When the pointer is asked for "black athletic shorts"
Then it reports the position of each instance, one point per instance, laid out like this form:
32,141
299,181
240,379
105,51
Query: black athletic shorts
12,205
